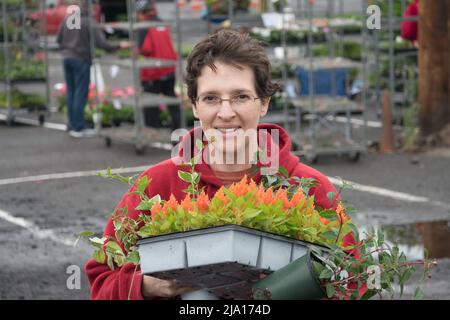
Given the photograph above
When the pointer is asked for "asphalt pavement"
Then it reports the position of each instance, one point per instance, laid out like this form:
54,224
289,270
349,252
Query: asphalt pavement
49,192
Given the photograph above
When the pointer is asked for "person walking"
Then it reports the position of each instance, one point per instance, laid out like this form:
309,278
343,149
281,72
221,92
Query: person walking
75,47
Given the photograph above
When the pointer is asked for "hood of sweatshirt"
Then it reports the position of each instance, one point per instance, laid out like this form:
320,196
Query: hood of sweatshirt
273,141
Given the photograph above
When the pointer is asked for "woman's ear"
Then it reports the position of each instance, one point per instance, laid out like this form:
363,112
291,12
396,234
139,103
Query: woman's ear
194,111
264,106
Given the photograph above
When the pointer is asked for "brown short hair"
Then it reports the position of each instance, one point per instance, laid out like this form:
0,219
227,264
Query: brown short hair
234,48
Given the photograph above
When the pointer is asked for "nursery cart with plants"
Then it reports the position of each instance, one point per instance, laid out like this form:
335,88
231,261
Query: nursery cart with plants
232,13
138,134
24,62
317,110
394,60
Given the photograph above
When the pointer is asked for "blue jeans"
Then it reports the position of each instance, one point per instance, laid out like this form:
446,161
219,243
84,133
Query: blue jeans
77,75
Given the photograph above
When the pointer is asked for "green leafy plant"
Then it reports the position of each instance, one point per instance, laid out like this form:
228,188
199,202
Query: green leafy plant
279,204
368,268
21,100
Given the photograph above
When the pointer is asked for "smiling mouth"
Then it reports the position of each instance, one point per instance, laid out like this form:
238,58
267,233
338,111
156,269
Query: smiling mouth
228,130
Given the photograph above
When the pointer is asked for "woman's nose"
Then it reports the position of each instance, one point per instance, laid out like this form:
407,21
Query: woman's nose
226,111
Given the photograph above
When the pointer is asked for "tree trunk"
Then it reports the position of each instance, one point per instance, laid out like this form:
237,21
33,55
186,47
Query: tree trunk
434,65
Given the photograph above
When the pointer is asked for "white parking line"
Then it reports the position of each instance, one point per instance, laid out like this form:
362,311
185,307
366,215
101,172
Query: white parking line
67,175
35,230
383,192
63,127
50,234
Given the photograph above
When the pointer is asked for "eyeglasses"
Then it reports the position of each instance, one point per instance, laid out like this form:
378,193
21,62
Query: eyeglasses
239,100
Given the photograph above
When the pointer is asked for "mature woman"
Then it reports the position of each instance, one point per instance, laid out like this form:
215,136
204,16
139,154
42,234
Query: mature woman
228,80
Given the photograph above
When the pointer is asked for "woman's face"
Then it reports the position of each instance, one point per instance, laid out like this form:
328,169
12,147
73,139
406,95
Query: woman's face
228,121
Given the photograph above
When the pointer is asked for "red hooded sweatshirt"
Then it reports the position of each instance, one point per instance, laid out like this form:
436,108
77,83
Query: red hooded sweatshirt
409,29
115,284
157,44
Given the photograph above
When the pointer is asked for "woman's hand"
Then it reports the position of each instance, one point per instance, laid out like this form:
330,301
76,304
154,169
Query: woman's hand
157,288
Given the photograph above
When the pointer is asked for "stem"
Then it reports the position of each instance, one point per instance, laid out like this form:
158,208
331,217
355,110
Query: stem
361,275
132,280
341,222
379,249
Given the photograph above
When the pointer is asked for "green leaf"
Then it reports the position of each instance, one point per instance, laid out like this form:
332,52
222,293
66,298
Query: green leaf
142,184
195,177
166,225
331,291
284,172
250,213
331,195
318,267
156,198
99,256
271,180
185,176
329,235
145,205
134,257
369,294
110,261
114,247
404,278
418,294
199,144
326,274
97,242
145,231
328,214
86,234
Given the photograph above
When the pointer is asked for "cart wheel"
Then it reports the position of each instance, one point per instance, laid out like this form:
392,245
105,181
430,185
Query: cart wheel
139,150
108,142
354,156
41,120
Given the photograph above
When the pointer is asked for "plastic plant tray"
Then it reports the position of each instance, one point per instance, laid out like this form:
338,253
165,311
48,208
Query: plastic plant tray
224,260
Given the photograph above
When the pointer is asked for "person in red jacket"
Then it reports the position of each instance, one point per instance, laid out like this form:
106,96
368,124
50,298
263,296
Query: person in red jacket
409,29
157,43
228,82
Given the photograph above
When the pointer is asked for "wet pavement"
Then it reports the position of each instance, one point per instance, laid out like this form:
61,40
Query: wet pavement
34,264
38,218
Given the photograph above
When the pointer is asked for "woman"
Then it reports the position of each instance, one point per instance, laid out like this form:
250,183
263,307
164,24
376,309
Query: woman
228,80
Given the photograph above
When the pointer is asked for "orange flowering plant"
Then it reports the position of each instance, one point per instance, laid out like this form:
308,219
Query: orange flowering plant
279,204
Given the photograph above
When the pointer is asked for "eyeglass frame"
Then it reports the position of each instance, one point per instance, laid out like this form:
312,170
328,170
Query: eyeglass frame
230,99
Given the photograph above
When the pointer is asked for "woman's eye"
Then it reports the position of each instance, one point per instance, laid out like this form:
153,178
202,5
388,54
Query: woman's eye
210,99
242,98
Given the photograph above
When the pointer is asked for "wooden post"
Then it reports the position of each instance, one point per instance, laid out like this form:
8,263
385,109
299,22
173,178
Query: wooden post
434,65
387,144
